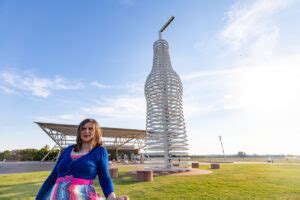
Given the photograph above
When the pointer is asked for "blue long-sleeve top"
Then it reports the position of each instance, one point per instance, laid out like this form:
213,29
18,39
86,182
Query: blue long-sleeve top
87,166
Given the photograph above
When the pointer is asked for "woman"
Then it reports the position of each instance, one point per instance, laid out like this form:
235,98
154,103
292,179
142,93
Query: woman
73,174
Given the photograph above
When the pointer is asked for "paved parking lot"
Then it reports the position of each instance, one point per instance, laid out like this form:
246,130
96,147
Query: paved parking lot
19,167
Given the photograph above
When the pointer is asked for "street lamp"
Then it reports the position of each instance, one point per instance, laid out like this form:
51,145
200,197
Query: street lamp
220,138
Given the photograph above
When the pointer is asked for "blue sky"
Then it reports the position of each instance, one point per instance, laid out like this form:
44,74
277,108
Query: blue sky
239,61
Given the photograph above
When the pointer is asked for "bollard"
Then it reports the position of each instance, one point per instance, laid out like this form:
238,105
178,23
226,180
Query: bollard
195,165
144,175
215,166
113,173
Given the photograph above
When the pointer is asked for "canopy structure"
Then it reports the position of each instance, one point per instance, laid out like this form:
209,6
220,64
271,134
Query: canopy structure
114,139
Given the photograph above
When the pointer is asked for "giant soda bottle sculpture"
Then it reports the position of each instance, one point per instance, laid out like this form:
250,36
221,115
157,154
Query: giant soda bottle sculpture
166,140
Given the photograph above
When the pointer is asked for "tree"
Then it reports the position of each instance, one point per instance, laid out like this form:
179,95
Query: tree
42,152
241,154
28,154
4,155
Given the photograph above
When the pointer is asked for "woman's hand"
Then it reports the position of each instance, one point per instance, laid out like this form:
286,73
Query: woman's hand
124,197
112,196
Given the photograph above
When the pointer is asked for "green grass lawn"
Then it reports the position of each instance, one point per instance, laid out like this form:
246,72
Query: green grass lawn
249,159
245,181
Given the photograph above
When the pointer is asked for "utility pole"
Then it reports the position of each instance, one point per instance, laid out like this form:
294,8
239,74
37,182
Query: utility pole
220,137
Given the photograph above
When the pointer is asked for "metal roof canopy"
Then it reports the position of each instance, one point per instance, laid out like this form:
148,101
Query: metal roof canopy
113,138
71,130
65,134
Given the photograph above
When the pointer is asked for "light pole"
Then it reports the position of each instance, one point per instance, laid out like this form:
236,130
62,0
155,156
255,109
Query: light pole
220,137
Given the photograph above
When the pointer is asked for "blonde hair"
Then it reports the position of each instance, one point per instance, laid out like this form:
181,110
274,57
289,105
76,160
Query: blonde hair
97,140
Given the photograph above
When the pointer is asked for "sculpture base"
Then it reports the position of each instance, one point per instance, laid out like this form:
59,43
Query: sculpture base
173,169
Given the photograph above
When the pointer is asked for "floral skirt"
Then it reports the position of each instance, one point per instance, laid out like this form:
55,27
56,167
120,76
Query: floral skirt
70,191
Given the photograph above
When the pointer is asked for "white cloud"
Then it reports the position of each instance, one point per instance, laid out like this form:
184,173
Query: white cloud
119,108
210,91
203,74
23,82
254,104
136,87
253,21
100,85
71,118
268,73
125,111
7,90
251,30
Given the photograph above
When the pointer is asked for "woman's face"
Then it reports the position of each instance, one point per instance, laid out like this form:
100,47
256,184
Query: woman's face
87,133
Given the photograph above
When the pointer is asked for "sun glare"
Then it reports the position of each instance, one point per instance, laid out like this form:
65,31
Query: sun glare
269,90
